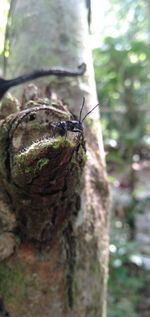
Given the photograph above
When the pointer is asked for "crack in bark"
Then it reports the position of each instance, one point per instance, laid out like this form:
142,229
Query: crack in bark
70,247
3,312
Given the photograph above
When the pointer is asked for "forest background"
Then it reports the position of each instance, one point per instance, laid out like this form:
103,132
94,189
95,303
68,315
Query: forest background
122,70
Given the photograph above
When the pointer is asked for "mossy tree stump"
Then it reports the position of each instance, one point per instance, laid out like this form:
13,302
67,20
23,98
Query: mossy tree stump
40,178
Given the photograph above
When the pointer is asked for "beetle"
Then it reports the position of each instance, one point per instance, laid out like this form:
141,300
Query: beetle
72,125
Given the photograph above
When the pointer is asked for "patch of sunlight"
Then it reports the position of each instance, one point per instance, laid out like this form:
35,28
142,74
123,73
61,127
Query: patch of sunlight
112,248
4,7
133,58
118,224
117,263
136,259
142,57
137,84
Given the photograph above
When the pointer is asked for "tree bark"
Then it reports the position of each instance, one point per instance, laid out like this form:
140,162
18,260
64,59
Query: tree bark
54,211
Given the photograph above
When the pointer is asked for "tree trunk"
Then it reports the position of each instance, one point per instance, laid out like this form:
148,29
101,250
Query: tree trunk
54,211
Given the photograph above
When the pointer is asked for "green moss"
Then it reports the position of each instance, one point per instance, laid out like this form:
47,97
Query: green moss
11,282
62,141
94,267
82,154
28,170
21,165
37,126
76,287
27,162
41,163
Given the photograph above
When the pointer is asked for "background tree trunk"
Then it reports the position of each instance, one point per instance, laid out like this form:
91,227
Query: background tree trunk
68,275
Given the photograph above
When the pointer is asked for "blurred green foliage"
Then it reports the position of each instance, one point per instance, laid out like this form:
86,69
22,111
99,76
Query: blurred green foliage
122,71
126,279
122,77
131,17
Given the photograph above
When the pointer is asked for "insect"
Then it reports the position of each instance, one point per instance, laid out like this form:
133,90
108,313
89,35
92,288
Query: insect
72,125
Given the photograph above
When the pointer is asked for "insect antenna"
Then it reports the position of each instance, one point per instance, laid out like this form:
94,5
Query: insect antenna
89,112
83,103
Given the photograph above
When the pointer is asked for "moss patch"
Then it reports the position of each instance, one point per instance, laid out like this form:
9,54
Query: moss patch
41,163
12,284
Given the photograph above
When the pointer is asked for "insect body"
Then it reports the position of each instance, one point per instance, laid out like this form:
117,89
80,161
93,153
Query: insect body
72,125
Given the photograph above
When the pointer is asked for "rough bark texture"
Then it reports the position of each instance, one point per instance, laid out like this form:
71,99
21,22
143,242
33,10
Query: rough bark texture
59,267
40,174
